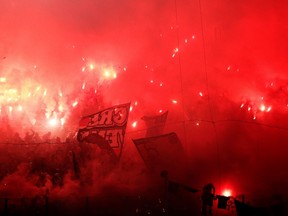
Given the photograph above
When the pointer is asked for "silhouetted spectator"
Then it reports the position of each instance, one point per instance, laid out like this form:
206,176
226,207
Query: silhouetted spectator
47,137
37,138
207,197
57,179
29,137
17,139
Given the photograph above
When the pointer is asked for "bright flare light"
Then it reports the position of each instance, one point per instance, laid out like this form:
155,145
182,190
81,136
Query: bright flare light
227,193
3,79
91,66
53,122
109,73
60,108
262,107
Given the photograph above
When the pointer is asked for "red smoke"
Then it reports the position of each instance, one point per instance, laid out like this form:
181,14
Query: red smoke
218,68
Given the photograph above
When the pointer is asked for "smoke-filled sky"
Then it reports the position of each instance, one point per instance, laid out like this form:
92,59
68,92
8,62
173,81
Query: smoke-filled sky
218,67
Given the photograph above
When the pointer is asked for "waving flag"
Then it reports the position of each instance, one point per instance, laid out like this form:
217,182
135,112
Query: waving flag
162,152
155,124
105,128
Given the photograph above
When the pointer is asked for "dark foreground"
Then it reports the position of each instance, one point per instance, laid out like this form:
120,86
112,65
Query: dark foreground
135,205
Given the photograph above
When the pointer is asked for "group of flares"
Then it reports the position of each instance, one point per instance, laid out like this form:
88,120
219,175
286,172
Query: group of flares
32,103
30,99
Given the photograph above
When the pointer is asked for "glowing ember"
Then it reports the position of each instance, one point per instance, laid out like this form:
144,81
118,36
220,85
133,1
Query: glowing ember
75,103
134,124
262,107
269,109
176,50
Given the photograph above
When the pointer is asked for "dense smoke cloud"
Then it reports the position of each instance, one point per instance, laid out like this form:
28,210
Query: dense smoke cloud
219,68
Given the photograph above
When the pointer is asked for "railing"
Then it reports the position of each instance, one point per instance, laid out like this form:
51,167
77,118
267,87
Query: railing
79,206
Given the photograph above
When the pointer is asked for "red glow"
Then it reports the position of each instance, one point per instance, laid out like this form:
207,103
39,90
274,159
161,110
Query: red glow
231,81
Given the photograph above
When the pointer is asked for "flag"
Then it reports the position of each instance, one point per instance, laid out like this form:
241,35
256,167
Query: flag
155,124
106,128
189,189
174,187
162,152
